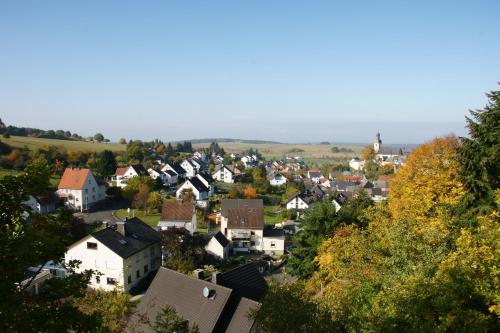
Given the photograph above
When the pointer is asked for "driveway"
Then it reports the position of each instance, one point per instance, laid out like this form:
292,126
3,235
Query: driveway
104,214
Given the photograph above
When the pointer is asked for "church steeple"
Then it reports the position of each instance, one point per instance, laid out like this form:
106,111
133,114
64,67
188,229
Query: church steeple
377,143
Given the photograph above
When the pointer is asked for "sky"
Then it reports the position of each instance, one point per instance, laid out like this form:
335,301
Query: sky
289,71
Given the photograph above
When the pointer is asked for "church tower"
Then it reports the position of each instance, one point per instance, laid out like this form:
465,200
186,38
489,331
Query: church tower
377,143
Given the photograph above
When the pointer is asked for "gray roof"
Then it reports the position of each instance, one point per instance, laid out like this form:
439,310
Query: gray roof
270,231
140,170
138,236
226,204
245,280
224,312
221,239
241,321
198,184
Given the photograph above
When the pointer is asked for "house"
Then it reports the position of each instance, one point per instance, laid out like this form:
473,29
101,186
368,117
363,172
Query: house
223,174
218,246
175,167
245,281
191,169
218,159
356,164
242,222
117,179
176,214
169,177
201,157
124,253
213,308
314,175
132,171
299,201
200,191
273,240
155,174
79,189
45,204
277,179
208,181
250,161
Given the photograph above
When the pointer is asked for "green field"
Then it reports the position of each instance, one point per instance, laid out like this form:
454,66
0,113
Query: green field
310,152
150,219
36,143
271,216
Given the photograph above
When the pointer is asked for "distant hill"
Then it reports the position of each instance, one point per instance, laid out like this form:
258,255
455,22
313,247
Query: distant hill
228,140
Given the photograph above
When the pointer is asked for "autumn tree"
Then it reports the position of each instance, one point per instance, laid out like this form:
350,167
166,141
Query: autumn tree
183,252
370,168
249,192
155,201
122,141
133,186
141,198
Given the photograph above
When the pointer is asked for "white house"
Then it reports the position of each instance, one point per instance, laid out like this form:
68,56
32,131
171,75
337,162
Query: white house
135,170
169,177
218,246
79,189
277,179
123,254
223,174
273,241
299,202
356,164
314,175
176,214
200,191
154,174
42,204
242,223
249,161
190,168
208,181
175,167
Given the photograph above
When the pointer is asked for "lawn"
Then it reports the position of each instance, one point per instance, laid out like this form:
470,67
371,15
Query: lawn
271,216
150,219
36,143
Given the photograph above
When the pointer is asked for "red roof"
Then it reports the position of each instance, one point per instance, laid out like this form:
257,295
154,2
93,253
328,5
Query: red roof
73,179
121,171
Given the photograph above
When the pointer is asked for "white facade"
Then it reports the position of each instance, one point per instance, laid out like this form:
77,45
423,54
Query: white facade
224,175
199,196
116,271
297,203
169,179
82,199
274,245
190,226
216,249
278,180
356,164
189,167
154,174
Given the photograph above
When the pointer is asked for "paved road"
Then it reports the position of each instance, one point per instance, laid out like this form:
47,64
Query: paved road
105,214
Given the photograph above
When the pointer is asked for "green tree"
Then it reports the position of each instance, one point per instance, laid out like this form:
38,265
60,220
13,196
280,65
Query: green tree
24,245
99,137
183,252
155,201
105,163
133,186
168,321
480,154
122,141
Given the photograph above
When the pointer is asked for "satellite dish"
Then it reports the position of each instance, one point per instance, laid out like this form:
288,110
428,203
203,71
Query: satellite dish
206,292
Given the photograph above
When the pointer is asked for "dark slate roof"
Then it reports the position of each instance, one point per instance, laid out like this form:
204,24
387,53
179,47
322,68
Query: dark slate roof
270,231
140,170
138,235
170,173
206,176
384,150
198,184
221,239
178,168
185,294
241,323
245,280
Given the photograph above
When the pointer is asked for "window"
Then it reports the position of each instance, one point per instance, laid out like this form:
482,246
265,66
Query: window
252,233
86,190
93,189
129,280
91,246
98,279
146,269
111,281
152,250
273,244
252,243
137,274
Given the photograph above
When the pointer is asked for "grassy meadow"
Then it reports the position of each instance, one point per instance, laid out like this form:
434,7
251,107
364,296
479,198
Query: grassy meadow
36,143
310,152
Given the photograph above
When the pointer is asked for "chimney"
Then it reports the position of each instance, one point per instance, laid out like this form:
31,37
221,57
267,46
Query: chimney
215,275
120,227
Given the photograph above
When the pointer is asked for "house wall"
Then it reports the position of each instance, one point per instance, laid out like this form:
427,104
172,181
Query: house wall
189,226
190,170
296,203
223,175
185,186
278,181
216,249
278,242
150,257
102,260
84,198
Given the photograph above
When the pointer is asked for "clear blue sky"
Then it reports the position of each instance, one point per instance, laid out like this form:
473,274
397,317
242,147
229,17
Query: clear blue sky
293,71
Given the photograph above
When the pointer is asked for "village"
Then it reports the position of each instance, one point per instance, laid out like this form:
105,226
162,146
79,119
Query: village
236,216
